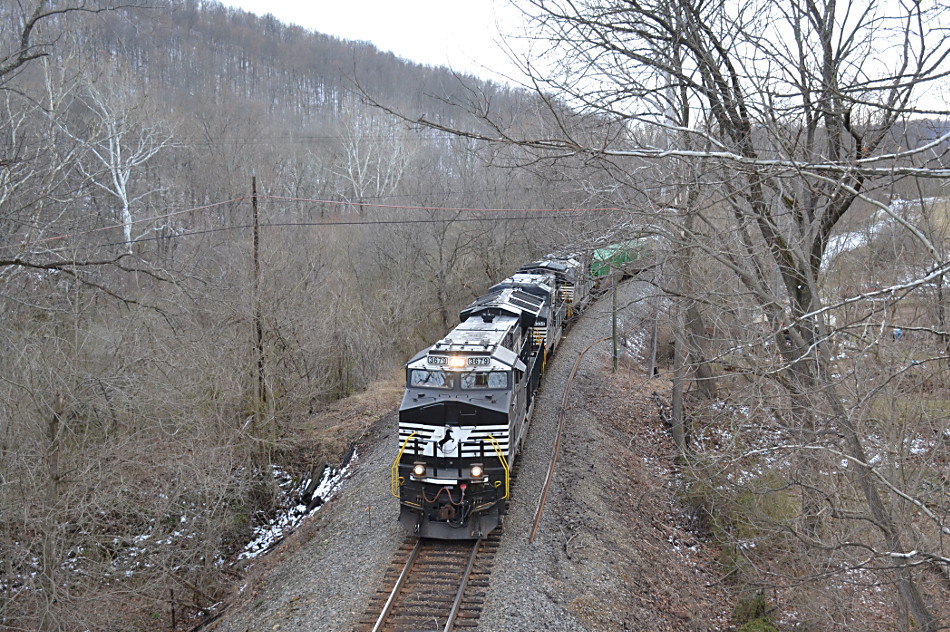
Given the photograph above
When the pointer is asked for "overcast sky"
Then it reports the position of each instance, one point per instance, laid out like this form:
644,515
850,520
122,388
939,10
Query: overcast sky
459,34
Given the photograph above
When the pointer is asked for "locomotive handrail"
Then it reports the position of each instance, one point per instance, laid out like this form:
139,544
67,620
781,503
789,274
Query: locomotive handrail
502,459
394,476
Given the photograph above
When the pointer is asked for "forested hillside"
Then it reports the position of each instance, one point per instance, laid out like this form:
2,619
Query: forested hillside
160,353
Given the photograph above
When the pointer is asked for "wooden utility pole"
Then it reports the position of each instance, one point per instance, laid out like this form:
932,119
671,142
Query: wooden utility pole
260,394
613,278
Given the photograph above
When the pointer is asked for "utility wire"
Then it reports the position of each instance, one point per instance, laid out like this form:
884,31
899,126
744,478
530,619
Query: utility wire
552,212
220,229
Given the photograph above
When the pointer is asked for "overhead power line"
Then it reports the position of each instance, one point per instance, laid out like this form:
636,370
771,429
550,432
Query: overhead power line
533,217
533,214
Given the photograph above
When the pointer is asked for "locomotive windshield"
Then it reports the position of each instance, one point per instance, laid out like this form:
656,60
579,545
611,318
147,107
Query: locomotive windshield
429,379
485,379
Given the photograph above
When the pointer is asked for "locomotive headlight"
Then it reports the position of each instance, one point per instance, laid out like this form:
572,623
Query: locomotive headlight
478,471
456,362
419,469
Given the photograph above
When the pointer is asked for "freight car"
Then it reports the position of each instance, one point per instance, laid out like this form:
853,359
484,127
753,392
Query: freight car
469,398
627,258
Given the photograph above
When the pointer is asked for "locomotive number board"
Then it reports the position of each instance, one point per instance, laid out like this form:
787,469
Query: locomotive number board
470,361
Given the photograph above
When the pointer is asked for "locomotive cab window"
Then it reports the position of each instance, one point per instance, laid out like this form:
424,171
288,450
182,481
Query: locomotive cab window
485,379
428,379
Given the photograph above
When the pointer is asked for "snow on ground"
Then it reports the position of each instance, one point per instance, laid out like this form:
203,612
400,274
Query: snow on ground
845,242
293,512
134,553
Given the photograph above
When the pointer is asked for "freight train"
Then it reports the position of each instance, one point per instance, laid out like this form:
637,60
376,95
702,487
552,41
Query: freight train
469,398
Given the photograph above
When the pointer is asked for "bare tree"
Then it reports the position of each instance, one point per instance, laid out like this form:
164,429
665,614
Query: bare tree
38,178
124,137
374,156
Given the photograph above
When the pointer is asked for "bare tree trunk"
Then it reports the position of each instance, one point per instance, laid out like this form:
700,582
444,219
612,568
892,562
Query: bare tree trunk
942,315
883,519
49,579
652,370
679,430
705,379
695,329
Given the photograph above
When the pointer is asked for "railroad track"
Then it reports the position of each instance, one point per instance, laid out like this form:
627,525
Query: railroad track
433,585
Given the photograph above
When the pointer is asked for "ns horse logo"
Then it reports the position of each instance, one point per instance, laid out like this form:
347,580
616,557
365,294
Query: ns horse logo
447,441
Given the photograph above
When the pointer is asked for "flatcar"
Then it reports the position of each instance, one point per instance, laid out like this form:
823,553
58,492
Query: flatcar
469,398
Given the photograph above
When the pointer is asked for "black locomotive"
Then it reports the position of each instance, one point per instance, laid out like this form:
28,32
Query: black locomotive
469,399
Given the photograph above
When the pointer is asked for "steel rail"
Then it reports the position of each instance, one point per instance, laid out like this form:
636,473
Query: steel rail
457,604
399,583
557,440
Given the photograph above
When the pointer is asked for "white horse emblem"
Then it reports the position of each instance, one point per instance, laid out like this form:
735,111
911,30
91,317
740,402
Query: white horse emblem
445,441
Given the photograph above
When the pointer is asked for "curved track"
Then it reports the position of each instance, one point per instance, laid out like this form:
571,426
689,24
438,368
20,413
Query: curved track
435,585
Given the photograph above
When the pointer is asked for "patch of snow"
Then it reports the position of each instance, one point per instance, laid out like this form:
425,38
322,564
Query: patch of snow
266,536
919,445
